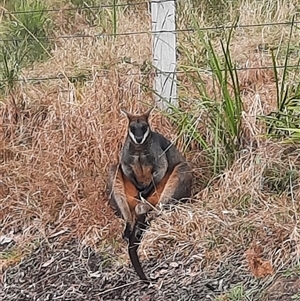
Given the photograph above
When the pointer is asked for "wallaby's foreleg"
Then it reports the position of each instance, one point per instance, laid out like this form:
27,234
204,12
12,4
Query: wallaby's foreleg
173,187
152,200
118,198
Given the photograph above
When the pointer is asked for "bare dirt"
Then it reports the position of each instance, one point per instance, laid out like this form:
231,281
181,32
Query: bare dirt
72,271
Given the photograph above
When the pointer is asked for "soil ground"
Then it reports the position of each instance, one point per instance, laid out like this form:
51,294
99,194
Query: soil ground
74,272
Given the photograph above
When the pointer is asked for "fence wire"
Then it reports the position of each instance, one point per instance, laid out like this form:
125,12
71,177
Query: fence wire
86,7
90,77
133,33
150,32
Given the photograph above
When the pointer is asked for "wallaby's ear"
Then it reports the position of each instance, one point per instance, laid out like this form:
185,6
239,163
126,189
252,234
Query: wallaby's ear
123,111
127,114
131,116
147,114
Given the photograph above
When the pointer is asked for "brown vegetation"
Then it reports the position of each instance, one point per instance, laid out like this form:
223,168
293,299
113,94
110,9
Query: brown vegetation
58,137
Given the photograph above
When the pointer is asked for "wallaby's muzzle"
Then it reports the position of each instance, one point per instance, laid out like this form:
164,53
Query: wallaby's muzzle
139,139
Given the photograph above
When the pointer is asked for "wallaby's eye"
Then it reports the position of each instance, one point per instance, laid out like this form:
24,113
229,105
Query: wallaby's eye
144,128
132,129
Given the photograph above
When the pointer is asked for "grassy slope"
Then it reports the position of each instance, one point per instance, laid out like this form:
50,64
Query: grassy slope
60,137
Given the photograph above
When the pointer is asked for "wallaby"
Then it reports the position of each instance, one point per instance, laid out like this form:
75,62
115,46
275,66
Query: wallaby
151,169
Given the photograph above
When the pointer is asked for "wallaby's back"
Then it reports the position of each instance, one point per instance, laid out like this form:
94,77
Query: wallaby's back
173,155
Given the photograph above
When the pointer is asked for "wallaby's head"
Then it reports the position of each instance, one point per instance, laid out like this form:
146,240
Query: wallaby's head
138,126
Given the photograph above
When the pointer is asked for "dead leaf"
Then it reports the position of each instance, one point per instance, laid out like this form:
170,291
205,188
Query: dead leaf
258,267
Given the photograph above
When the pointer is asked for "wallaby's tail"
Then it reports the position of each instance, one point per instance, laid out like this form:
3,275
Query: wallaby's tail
134,240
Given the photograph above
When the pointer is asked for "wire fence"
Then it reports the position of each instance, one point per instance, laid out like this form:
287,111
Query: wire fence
87,7
150,32
146,5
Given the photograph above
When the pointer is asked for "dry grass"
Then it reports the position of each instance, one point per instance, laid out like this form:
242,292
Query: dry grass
234,212
58,139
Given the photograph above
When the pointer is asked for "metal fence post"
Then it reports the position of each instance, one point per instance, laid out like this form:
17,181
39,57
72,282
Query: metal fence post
164,51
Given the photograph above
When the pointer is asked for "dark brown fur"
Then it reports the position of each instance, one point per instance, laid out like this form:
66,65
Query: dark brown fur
154,170
142,173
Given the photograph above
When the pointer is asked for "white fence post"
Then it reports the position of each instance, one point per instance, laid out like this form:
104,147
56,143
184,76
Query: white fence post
164,51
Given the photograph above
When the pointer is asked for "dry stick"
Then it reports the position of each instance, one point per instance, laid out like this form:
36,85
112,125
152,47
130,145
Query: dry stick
116,288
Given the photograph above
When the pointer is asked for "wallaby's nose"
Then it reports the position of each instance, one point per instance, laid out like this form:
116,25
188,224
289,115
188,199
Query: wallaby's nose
139,139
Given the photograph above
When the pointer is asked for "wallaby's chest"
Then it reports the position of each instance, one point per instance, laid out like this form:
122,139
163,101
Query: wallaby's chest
142,168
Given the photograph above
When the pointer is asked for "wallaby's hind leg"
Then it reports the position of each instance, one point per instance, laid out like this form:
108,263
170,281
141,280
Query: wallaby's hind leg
121,197
154,198
173,187
178,186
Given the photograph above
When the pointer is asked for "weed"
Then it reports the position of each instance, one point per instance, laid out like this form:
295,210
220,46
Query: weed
295,271
83,3
237,293
284,122
99,14
278,178
296,297
217,13
28,31
24,38
10,68
9,257
80,79
222,108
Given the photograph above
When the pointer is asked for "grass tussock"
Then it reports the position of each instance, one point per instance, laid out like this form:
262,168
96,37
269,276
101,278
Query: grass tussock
237,209
58,136
54,160
238,219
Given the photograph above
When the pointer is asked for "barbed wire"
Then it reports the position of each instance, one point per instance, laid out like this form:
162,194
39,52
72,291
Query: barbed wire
84,77
86,7
151,32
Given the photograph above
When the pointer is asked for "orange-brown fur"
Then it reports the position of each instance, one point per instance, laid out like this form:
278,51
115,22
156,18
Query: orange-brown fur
150,168
131,192
143,173
155,163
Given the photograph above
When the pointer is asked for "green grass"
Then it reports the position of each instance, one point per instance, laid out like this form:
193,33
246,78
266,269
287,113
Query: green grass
10,67
28,31
236,293
217,12
296,297
103,15
222,109
284,122
24,38
10,257
279,178
293,272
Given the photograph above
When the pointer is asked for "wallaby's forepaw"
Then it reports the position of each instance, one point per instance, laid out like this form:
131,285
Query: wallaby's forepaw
146,192
142,209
